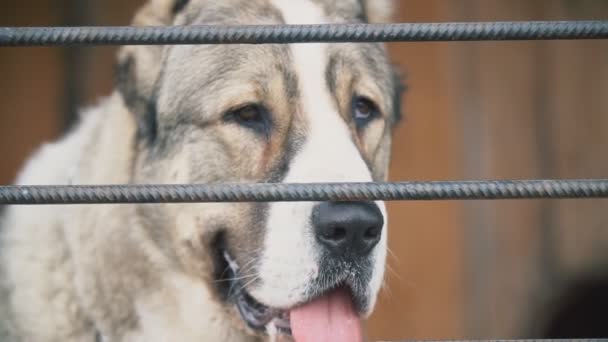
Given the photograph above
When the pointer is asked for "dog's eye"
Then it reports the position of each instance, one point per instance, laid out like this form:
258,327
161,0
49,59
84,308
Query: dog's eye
249,113
252,116
364,111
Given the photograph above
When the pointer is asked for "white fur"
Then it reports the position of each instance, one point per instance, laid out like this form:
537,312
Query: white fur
290,258
184,312
45,303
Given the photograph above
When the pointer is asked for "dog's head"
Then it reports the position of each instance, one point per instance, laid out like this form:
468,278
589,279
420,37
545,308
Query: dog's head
267,113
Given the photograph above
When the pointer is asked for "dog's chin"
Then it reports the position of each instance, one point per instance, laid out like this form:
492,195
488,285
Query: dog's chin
265,319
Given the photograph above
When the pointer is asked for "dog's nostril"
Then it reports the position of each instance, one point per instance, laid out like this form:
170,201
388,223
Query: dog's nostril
336,234
372,232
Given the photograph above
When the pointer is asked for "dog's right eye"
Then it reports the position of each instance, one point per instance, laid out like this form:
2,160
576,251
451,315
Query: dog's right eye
252,116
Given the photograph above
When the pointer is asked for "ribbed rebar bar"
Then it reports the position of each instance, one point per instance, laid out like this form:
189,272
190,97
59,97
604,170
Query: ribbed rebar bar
265,192
523,340
264,34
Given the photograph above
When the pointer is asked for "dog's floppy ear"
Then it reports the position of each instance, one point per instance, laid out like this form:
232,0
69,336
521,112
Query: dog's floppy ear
379,11
139,66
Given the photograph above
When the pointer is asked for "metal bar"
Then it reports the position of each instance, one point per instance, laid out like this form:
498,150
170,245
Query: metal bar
522,340
264,34
267,192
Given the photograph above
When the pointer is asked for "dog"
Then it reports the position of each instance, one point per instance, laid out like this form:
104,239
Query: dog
288,113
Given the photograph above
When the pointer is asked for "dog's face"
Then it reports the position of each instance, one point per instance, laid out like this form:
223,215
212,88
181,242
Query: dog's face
266,113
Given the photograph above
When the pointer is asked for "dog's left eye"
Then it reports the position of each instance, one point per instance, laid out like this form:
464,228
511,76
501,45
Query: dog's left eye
252,116
364,111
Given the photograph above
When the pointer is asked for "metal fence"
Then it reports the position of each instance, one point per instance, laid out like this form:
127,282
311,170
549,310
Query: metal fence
456,190
264,34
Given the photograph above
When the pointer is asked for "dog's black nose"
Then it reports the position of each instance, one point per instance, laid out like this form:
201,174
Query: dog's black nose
348,228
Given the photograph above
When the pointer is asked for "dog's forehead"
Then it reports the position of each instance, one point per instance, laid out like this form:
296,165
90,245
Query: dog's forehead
229,12
188,81
352,10
264,11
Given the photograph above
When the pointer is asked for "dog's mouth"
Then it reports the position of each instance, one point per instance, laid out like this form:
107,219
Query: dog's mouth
334,312
257,315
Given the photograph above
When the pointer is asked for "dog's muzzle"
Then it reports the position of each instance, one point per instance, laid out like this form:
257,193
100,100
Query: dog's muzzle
345,234
256,315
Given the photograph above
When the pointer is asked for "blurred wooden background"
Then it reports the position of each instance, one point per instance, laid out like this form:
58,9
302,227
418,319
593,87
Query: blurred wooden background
474,269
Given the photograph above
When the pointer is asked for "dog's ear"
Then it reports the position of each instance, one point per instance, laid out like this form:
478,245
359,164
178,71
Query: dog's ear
379,11
138,66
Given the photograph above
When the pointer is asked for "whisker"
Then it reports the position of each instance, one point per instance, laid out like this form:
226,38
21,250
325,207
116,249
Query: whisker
251,281
392,271
235,278
393,255
232,290
250,262
386,289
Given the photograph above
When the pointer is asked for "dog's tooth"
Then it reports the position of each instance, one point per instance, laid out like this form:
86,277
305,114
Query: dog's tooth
278,332
272,331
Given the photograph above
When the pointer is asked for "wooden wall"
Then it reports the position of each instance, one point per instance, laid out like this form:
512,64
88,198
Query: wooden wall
530,110
474,110
31,87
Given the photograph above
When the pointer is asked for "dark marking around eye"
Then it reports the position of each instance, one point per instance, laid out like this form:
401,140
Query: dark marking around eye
363,14
179,5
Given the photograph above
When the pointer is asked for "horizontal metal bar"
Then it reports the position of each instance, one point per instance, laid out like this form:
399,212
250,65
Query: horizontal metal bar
268,192
523,340
264,34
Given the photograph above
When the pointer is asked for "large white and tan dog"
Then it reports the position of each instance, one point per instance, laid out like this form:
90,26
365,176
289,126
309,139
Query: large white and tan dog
199,114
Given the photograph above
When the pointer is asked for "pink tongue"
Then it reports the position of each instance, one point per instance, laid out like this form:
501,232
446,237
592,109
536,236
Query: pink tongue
331,317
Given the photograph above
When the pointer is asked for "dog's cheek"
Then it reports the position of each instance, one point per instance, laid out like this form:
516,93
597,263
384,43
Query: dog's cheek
250,154
193,235
195,229
187,159
222,153
247,237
